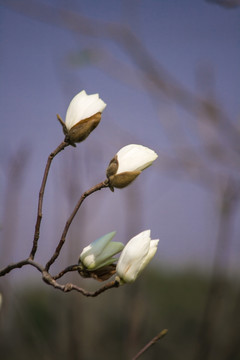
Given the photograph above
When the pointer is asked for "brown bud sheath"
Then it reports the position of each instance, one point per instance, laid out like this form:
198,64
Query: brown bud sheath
101,274
112,167
123,179
82,129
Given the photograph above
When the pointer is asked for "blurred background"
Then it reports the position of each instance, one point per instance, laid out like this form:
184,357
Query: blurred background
169,73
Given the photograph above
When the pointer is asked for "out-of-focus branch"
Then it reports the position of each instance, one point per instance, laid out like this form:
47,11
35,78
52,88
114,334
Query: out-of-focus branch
40,199
97,187
14,182
125,38
232,348
159,81
218,286
151,342
227,4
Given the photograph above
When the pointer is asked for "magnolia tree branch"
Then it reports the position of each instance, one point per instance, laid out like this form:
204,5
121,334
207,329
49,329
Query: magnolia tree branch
151,342
97,187
19,265
40,199
46,276
70,287
69,268
50,280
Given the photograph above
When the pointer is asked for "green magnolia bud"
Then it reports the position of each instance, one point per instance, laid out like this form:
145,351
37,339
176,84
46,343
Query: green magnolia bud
100,252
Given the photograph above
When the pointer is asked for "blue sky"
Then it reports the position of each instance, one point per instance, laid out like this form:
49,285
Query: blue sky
42,66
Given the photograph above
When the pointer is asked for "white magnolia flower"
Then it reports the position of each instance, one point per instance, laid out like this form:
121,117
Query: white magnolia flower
135,256
82,107
128,163
100,252
82,116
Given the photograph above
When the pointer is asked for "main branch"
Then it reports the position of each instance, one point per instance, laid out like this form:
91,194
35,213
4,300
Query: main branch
47,278
40,198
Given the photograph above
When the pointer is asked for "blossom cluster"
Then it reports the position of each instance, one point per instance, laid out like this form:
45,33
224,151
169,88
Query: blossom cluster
82,117
133,259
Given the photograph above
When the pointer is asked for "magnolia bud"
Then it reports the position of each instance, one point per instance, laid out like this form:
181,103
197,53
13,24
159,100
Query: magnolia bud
82,117
135,256
127,164
100,252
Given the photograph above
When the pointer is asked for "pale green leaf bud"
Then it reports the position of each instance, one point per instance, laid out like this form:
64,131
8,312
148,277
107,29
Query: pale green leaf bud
100,252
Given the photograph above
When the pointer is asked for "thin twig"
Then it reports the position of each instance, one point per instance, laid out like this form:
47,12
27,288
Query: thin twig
97,187
40,199
47,278
66,270
152,342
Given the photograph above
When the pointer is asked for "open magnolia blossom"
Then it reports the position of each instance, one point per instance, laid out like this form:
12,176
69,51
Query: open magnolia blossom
82,116
128,163
100,252
135,256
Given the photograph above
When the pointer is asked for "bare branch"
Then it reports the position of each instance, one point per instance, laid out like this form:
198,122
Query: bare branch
152,342
19,265
40,199
97,187
48,279
69,268
11,267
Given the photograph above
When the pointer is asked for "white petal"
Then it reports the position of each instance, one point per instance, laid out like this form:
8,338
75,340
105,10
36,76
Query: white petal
135,158
81,107
152,251
138,246
89,261
96,106
74,109
133,255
